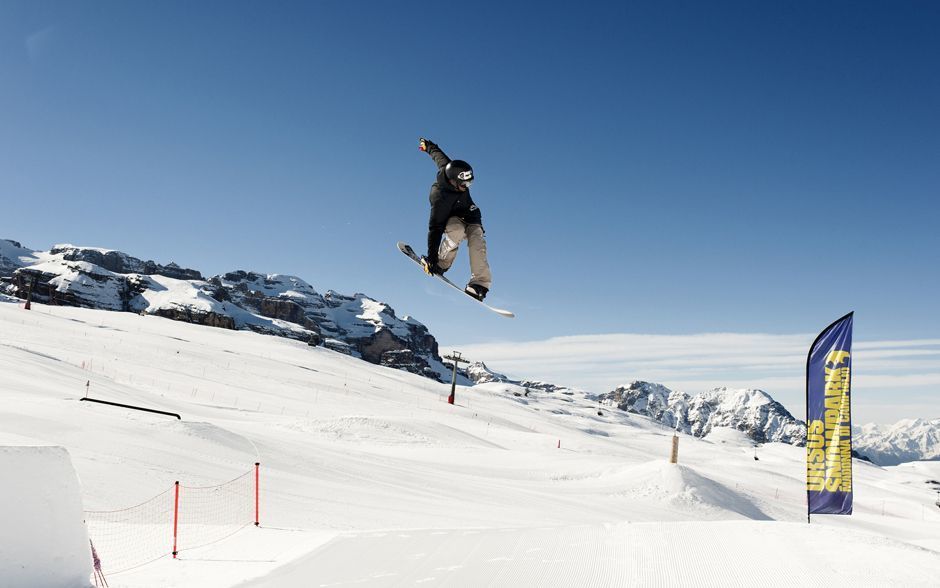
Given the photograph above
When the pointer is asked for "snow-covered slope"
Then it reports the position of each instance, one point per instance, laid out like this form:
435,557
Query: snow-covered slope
369,477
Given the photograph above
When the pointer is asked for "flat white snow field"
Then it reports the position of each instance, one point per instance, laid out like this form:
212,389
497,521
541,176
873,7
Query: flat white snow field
369,478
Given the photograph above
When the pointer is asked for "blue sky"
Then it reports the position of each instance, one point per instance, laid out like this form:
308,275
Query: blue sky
669,168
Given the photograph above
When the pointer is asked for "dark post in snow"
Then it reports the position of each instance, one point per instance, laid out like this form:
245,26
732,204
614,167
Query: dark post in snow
454,357
29,293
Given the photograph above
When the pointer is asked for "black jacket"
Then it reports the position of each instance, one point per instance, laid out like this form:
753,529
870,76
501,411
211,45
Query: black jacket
446,201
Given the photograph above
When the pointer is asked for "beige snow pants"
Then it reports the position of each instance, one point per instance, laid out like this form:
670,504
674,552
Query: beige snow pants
455,232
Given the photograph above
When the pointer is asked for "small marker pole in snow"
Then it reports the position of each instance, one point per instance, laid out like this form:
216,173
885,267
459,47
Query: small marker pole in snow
176,516
559,444
674,458
454,357
257,465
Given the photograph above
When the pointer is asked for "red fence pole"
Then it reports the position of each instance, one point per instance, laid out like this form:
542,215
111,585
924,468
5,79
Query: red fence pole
257,465
176,516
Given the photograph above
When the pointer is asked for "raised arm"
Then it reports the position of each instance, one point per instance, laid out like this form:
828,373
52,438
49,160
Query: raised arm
431,148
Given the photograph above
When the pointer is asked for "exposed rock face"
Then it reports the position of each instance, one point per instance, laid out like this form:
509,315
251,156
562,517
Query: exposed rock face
338,346
72,284
378,344
284,310
405,359
199,317
369,328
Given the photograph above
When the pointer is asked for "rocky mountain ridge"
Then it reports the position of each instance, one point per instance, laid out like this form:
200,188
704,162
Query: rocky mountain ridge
273,304
754,412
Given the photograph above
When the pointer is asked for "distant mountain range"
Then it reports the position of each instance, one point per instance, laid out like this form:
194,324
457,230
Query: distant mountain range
753,412
906,440
363,327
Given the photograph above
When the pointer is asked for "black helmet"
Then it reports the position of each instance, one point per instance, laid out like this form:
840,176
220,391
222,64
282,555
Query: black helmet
459,173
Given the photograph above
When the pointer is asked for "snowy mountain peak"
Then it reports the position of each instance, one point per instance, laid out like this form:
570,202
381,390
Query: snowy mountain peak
480,374
915,423
730,399
649,388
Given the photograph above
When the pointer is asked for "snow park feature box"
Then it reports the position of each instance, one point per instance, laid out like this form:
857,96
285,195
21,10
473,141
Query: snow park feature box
43,541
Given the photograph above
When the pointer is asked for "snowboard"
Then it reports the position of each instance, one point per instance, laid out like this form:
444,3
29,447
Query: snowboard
407,250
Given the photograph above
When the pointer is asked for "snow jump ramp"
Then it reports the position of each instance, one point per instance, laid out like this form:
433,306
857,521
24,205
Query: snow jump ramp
44,542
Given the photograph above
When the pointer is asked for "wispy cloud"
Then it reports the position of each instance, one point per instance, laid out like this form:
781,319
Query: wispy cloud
40,43
885,371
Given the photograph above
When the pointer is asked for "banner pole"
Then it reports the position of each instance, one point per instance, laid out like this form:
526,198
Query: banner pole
820,434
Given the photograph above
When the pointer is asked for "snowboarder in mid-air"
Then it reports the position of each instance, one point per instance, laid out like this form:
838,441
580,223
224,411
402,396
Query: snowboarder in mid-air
455,217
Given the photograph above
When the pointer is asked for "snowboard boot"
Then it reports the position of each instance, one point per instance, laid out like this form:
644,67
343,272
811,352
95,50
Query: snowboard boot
431,269
477,291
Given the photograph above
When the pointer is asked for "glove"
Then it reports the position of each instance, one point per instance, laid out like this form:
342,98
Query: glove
430,267
425,144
